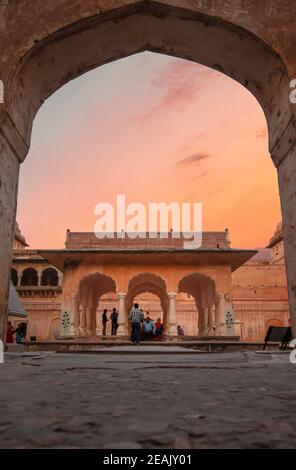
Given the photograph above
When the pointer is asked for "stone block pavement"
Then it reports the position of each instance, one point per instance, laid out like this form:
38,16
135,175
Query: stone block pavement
135,400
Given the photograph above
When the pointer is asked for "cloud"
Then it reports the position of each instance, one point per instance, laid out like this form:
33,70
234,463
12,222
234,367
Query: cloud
196,158
180,81
262,133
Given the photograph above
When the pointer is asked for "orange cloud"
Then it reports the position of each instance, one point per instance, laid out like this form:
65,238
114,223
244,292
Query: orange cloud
180,81
262,134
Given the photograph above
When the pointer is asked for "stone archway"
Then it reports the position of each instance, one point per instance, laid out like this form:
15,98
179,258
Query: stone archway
61,40
91,288
203,289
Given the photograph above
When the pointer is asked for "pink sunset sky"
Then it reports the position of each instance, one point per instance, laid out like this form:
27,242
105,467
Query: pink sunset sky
157,129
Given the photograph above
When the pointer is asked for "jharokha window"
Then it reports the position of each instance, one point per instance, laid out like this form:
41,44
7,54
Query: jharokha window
49,277
29,277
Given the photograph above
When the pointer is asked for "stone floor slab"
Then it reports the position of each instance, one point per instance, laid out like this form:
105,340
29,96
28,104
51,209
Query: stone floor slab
221,400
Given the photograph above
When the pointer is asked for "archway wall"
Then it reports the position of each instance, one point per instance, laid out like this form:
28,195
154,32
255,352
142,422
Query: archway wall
50,57
170,275
252,42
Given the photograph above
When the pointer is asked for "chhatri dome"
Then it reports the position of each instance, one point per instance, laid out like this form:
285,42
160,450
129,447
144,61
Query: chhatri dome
19,239
277,236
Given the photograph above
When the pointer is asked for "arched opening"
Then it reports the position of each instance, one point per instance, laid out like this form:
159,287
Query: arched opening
273,322
155,287
203,290
107,302
62,53
151,305
50,277
91,289
29,277
14,277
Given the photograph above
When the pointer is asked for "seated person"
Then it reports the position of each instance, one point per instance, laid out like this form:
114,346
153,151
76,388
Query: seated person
180,331
158,331
148,328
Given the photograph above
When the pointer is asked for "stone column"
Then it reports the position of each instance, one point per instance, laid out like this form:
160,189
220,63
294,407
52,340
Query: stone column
202,321
203,313
19,276
88,320
210,319
39,274
9,172
219,315
74,322
205,331
122,320
94,321
82,322
60,277
172,317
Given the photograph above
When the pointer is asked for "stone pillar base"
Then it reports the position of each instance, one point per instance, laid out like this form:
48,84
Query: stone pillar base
121,330
172,330
82,332
74,331
220,330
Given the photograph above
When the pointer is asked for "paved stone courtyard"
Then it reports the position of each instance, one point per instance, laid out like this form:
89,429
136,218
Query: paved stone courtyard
139,399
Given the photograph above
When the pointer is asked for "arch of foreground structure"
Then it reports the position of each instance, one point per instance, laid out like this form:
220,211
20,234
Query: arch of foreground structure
208,303
42,48
84,303
154,284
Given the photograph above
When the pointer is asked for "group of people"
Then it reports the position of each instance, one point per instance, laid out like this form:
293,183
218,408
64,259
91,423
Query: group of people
19,332
144,328
114,321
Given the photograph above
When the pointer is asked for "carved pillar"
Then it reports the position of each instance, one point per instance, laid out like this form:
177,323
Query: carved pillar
219,315
94,321
122,317
205,330
74,316
228,315
172,317
82,322
88,320
210,320
202,321
39,274
203,314
19,276
60,277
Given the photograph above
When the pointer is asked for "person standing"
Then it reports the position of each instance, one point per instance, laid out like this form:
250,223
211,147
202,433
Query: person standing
104,321
19,334
9,333
136,317
114,321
